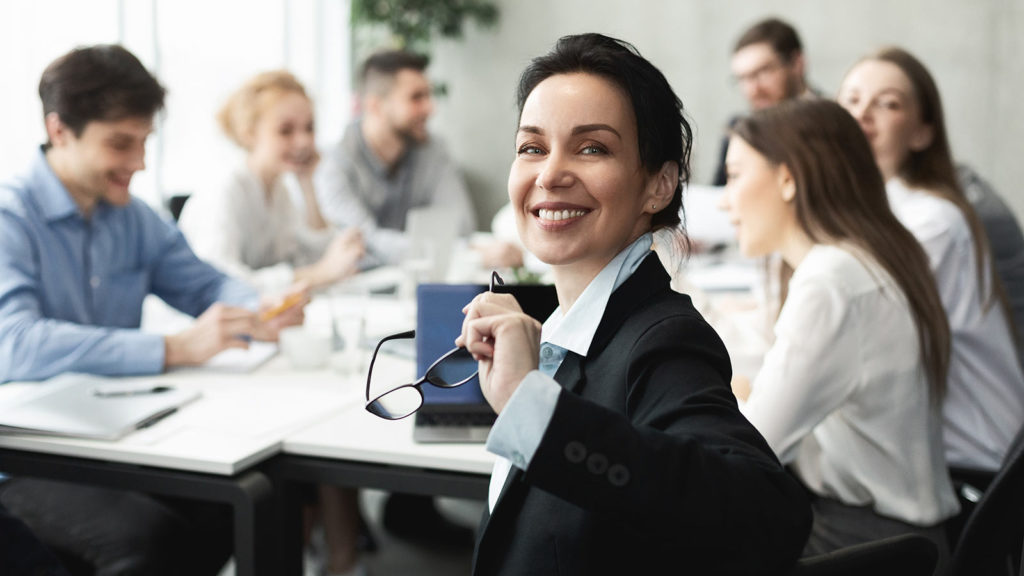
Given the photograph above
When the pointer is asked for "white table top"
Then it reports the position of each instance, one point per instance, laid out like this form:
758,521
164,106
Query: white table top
240,420
355,434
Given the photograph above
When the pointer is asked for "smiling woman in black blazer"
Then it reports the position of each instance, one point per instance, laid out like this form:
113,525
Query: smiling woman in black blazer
622,448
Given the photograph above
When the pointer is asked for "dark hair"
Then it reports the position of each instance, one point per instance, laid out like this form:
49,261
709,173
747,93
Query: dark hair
841,198
103,82
776,33
663,134
932,170
379,70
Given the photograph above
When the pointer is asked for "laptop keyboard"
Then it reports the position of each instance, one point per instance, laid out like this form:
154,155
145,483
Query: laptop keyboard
467,419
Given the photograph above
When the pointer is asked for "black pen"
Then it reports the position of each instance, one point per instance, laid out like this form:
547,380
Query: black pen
121,393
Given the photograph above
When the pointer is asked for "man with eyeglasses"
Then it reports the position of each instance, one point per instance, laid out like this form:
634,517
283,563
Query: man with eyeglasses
768,67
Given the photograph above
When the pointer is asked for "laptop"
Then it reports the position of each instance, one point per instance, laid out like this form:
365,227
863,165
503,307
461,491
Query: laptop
84,406
432,232
459,414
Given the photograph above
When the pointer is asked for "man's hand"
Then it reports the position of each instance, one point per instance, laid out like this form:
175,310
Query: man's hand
505,343
280,312
219,328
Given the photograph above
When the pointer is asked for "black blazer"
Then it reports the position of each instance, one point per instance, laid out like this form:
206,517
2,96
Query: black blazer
647,466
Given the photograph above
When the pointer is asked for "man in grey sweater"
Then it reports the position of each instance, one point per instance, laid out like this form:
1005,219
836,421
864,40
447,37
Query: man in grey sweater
387,163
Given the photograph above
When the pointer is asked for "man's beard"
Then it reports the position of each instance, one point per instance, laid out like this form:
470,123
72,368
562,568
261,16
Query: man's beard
410,135
794,86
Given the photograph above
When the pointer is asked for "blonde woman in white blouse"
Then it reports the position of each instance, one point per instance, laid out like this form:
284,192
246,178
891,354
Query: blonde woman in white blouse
897,103
249,228
850,392
247,225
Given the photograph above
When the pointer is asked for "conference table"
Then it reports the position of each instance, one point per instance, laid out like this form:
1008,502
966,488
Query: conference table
255,438
208,450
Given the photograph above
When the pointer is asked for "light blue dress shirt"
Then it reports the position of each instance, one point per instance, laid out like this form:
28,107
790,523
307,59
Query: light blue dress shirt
71,288
520,427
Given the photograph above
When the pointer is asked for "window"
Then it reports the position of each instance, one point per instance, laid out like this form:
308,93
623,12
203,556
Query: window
200,50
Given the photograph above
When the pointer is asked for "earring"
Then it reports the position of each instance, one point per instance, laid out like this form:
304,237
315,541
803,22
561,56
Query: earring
654,206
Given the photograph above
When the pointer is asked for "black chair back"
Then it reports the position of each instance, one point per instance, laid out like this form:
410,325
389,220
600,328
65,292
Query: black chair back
903,555
993,537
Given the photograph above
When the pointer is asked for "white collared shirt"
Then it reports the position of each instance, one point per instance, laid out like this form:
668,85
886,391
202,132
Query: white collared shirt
984,405
843,394
521,425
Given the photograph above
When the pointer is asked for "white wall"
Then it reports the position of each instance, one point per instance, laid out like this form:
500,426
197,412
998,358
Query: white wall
974,49
201,49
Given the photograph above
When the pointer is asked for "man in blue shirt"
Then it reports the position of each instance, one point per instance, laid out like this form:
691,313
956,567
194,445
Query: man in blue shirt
77,256
78,253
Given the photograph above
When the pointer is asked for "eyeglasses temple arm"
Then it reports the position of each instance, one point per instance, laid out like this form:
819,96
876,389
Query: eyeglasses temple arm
369,372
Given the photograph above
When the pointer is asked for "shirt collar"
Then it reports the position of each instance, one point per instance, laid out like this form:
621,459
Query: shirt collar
896,187
371,157
574,331
49,192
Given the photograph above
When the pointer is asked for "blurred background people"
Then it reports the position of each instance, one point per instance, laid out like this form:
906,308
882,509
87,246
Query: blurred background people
388,163
769,67
248,225
896,101
849,394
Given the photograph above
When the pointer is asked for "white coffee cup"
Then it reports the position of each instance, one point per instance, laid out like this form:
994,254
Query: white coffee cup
305,349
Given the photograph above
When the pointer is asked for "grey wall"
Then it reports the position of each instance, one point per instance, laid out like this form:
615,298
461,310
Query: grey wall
974,48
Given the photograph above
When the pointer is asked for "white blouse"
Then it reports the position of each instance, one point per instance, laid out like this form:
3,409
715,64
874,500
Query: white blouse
984,406
843,395
247,234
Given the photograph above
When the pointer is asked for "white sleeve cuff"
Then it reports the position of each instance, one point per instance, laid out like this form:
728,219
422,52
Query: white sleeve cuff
517,432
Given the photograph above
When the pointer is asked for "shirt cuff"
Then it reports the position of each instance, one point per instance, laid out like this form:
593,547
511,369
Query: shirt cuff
143,353
520,427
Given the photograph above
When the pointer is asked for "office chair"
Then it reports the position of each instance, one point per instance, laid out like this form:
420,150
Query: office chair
993,538
970,485
903,555
175,203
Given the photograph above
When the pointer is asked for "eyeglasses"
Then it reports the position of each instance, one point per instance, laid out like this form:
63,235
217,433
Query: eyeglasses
454,368
760,74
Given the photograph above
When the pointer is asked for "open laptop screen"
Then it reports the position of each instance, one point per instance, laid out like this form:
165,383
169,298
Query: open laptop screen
439,322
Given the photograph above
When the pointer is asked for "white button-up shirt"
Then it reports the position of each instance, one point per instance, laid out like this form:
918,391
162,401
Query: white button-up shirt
843,394
984,406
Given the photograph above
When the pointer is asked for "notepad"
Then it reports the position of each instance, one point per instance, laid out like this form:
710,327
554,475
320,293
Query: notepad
84,406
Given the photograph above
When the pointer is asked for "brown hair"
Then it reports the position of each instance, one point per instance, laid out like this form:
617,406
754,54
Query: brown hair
841,197
241,112
782,37
931,169
377,75
99,83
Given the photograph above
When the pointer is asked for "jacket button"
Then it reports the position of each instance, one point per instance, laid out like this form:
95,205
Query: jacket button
597,463
618,475
575,452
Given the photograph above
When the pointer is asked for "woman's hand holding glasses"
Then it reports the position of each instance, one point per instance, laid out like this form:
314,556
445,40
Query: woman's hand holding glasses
504,341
